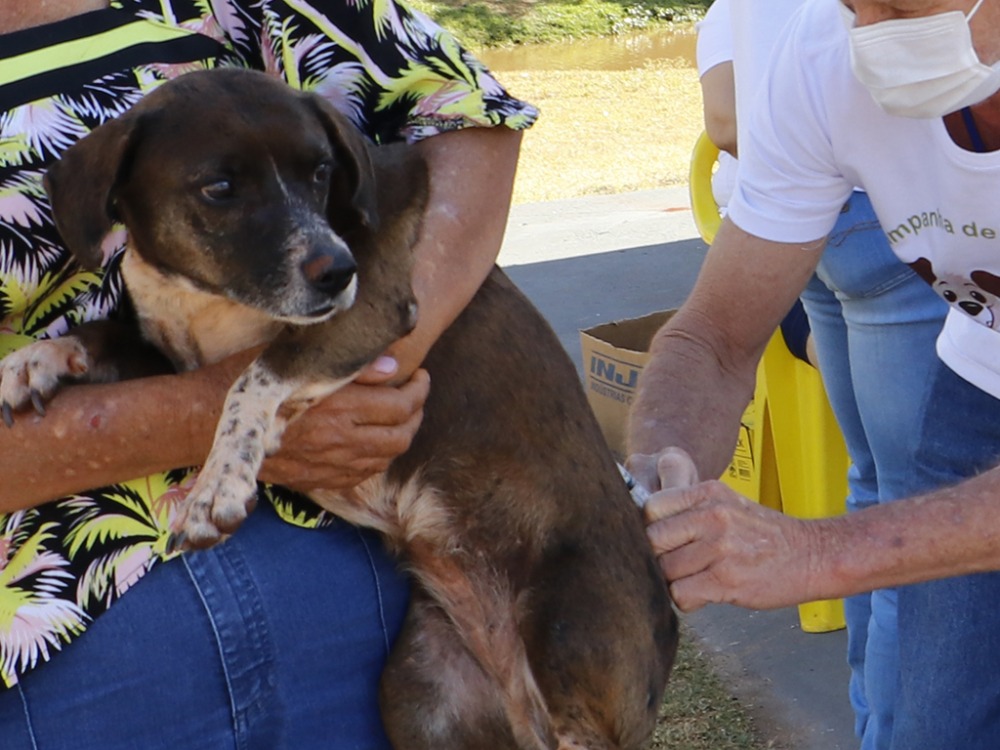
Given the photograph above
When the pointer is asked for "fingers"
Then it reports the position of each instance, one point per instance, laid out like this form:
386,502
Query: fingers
694,550
679,516
675,468
383,406
349,436
670,468
670,502
693,593
714,546
382,370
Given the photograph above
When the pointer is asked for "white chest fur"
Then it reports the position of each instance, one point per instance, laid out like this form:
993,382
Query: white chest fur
191,326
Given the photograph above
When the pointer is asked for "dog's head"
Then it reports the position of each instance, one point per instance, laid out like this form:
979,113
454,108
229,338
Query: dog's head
231,179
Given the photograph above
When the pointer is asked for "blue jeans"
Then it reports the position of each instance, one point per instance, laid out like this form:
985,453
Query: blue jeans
949,630
874,323
274,640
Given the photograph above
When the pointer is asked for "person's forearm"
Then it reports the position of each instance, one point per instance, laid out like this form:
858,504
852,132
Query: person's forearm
472,176
952,531
686,399
96,435
703,363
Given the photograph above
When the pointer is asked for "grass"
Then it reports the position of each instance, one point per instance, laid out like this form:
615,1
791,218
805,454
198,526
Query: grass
699,712
606,131
483,23
599,131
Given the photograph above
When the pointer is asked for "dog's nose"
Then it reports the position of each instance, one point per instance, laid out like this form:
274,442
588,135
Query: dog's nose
329,274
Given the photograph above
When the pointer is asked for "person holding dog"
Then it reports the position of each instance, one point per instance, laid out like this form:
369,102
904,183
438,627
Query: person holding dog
900,100
277,638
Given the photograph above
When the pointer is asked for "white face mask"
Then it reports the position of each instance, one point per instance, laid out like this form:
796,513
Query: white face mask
921,67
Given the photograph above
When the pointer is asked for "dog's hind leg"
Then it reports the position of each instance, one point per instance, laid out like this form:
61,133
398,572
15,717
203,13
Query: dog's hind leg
436,694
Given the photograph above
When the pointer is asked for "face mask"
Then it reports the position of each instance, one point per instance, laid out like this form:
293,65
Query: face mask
921,67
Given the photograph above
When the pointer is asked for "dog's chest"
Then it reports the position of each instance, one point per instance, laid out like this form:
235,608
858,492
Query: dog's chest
191,326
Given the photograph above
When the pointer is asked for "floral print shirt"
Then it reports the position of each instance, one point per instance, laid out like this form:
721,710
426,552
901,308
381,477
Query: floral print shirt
395,73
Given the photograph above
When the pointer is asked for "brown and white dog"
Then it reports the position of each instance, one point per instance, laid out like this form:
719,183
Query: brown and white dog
258,215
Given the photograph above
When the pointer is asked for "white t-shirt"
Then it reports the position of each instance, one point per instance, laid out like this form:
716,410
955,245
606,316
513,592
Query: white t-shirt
756,28
937,203
744,32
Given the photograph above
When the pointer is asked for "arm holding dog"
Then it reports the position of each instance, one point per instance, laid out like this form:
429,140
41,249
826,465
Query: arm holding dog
97,434
342,439
471,180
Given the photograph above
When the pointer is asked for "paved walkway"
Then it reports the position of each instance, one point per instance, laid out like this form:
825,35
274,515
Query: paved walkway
597,259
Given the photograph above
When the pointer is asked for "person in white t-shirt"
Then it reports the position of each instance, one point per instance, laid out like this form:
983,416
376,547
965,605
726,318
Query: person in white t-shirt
901,100
866,311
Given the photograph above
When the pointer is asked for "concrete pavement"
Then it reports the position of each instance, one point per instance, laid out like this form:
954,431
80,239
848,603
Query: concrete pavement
602,258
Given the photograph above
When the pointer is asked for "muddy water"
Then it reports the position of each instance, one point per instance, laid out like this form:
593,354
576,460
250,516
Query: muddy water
622,52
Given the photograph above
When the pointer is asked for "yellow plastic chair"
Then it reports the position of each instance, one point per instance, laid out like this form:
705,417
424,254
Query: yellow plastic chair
703,205
797,458
809,452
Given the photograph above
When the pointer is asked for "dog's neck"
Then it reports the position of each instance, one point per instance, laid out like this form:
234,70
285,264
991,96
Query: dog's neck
191,326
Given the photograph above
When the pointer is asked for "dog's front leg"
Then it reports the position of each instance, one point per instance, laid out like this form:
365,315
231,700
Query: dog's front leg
101,351
249,429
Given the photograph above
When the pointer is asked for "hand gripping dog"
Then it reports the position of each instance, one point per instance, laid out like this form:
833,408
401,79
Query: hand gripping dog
257,215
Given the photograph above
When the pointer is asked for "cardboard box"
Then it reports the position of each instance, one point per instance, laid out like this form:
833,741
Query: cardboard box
613,356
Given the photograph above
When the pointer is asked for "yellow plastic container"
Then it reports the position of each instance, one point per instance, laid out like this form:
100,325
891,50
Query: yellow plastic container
809,452
753,470
791,454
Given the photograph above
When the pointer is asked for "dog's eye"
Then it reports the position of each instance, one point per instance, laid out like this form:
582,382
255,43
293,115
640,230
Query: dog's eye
322,174
220,190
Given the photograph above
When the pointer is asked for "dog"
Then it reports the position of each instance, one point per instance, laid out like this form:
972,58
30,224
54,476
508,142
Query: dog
258,216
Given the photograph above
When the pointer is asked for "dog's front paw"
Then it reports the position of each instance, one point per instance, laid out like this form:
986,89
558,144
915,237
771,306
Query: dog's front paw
32,374
222,497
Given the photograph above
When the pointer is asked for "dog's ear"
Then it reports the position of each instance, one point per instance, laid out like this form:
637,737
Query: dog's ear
360,188
81,186
987,281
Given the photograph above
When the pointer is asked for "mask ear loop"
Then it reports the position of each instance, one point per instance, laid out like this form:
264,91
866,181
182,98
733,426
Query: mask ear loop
973,11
